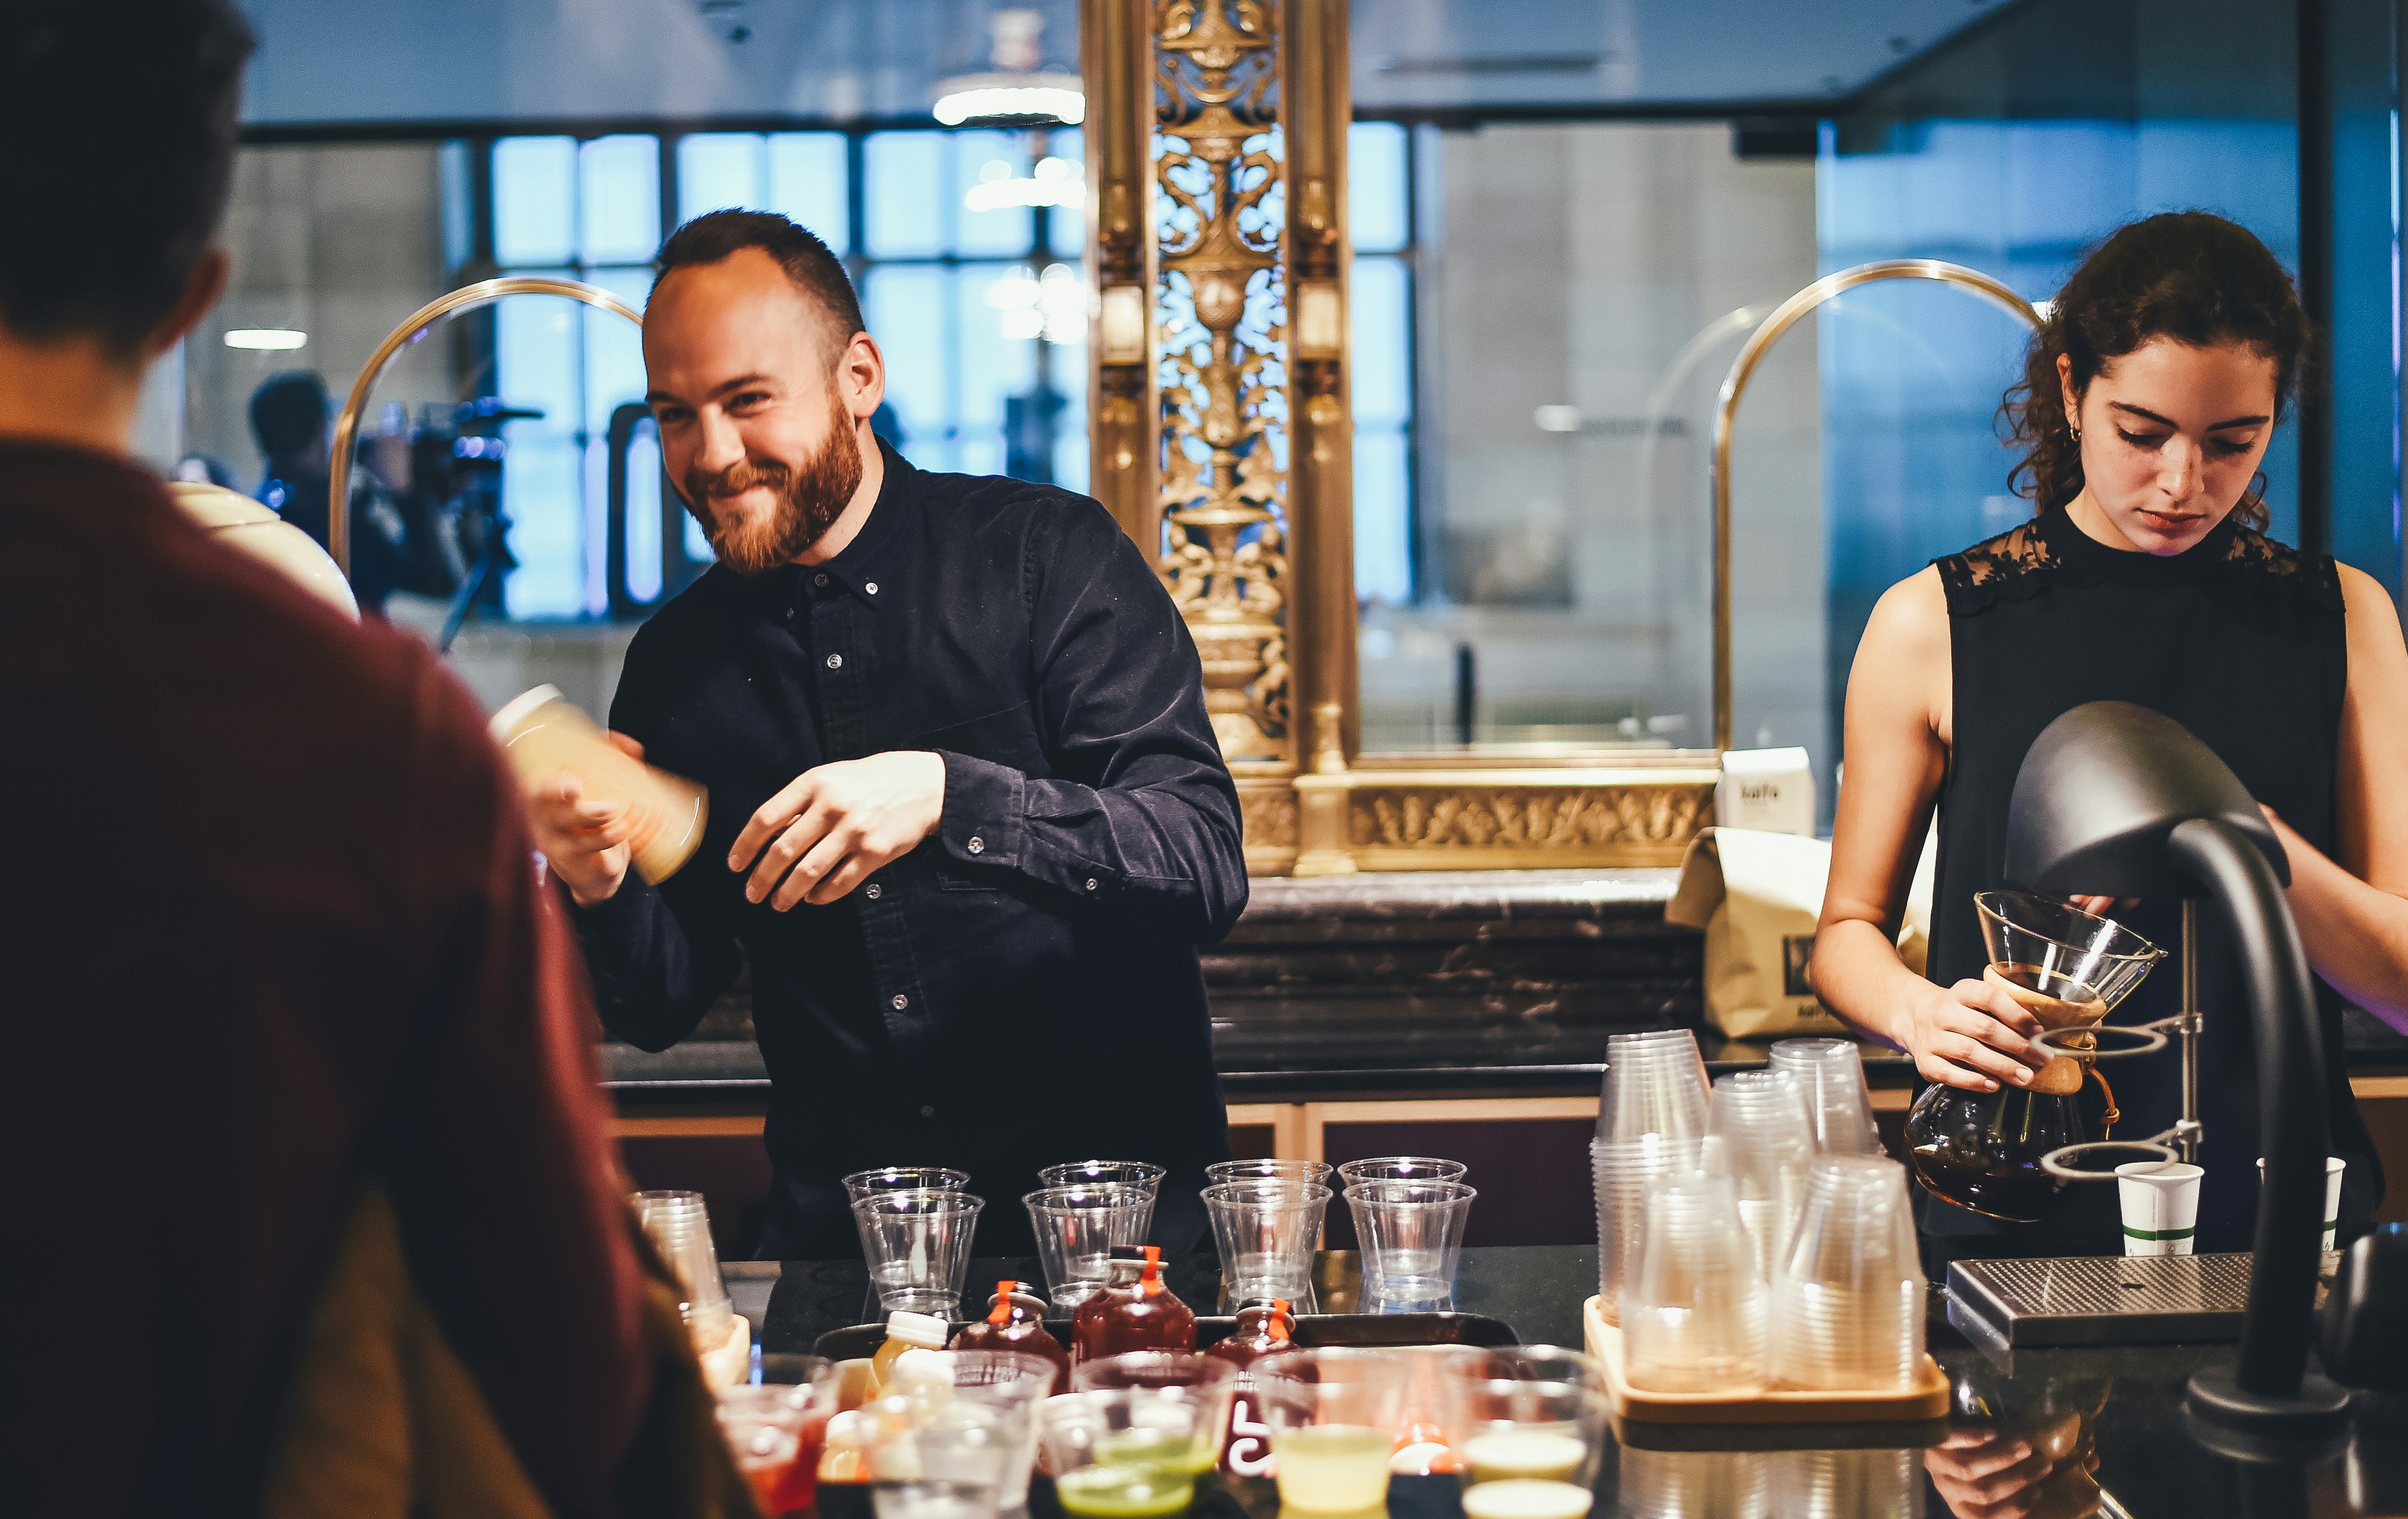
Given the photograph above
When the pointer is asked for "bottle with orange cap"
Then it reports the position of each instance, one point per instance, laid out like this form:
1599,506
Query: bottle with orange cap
1265,1326
1136,1311
1016,1322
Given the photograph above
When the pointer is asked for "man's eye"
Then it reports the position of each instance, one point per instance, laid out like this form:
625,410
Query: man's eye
672,416
747,400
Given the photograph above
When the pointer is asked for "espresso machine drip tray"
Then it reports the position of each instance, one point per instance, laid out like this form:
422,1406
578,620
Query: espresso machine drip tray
2099,1299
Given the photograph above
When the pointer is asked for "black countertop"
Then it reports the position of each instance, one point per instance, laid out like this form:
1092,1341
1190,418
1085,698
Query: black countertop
1404,984
2084,1431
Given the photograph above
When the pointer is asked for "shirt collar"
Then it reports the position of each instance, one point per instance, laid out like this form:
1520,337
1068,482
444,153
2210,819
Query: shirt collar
859,568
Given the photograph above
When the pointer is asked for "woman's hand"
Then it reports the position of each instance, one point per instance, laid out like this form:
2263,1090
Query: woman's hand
1971,1034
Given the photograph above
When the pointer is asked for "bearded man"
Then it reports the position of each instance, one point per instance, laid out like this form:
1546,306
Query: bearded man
969,823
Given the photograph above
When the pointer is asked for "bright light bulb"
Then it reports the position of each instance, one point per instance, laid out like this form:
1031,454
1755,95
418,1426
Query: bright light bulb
269,339
1014,101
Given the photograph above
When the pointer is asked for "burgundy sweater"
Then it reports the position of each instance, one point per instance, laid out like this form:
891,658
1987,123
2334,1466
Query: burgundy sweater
268,925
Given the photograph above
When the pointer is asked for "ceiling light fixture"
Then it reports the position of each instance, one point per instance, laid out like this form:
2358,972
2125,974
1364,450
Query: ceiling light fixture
1054,181
1017,87
269,339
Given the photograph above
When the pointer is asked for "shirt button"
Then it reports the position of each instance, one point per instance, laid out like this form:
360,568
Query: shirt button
836,661
819,580
928,1113
978,845
901,1002
1090,884
871,588
876,891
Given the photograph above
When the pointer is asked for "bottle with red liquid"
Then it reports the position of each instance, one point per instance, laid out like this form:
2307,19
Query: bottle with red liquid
1134,1311
1264,1328
1013,1324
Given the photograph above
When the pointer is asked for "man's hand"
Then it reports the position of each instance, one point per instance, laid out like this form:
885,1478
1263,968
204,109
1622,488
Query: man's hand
827,830
584,840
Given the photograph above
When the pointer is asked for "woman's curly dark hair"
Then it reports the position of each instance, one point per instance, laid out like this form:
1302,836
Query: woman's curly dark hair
2189,276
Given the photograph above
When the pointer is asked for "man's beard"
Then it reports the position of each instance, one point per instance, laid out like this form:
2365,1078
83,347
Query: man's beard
809,501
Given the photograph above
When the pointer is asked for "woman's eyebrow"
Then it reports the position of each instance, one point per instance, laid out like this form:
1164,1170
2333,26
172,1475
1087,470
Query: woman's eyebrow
2169,422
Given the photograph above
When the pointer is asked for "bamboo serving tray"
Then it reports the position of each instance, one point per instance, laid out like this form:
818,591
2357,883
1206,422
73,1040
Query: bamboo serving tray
1927,1399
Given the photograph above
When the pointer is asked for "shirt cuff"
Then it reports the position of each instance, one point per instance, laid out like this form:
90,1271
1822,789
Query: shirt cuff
608,919
985,805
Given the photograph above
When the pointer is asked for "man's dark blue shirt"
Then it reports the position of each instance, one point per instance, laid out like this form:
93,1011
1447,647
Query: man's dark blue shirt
1023,987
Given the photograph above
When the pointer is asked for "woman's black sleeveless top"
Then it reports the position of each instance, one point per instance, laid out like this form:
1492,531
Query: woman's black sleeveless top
2240,640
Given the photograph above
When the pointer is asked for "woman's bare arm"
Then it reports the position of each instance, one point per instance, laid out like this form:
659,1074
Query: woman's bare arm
1970,1034
2353,911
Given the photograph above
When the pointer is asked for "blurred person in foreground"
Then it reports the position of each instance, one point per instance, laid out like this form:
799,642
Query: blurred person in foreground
314,1207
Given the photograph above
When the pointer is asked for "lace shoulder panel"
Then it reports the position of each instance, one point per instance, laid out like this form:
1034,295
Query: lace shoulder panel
2018,563
2269,568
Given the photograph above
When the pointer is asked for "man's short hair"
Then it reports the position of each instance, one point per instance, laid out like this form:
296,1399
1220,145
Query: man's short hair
288,412
819,273
120,118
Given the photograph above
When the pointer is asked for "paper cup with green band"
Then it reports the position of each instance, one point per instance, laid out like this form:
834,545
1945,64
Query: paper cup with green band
2334,1166
2160,1201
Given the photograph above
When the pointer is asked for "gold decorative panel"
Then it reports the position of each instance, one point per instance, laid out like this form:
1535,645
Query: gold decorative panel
1473,818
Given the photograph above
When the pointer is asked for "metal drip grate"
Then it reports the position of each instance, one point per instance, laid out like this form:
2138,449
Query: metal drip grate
2102,1299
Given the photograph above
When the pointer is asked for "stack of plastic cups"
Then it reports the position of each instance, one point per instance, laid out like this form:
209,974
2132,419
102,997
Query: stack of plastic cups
1697,1484
918,1246
1844,1484
1848,1297
1266,1230
1651,1123
1830,1076
679,1227
1693,1308
1077,1227
1144,1176
1757,1134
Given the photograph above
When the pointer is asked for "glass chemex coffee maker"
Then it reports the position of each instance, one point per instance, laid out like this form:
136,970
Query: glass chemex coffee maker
2006,1153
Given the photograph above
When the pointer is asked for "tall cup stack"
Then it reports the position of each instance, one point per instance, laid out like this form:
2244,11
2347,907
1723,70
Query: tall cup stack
1651,1123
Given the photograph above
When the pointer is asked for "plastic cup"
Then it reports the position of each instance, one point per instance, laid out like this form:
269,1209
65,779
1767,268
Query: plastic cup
808,1386
918,1246
1698,1484
1848,1297
1693,1310
860,1184
1527,1425
1077,1227
1143,1175
1010,1384
764,1430
1411,1233
1332,1415
1757,1134
933,1499
679,1225
1266,1231
2161,1202
1811,1484
541,734
1224,1171
1623,1170
1209,1378
1830,1076
2334,1166
1400,1168
1654,1083
1130,1453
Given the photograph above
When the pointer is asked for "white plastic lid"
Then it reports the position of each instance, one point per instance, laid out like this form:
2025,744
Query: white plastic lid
925,1330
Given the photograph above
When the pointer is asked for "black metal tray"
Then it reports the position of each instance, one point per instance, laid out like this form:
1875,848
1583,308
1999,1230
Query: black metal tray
1372,1330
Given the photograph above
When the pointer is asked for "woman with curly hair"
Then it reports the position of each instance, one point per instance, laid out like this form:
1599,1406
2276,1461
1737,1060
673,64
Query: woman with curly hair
2144,576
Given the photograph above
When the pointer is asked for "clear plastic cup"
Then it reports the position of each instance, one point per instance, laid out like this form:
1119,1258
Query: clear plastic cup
1010,1385
1700,1485
1207,1377
1143,1175
1333,1418
763,1429
1266,1231
1400,1168
1830,1076
541,734
1222,1172
1757,1134
1827,1484
929,1499
808,1386
679,1225
860,1184
1693,1308
1848,1297
1654,1083
1411,1235
918,1246
1130,1453
1077,1227
1527,1425
1623,1170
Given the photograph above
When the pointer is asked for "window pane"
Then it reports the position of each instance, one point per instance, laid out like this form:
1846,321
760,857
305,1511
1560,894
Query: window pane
907,311
644,513
987,155
1382,323
1066,226
1383,566
620,195
1375,187
806,184
904,184
614,348
717,170
534,198
459,205
998,361
539,490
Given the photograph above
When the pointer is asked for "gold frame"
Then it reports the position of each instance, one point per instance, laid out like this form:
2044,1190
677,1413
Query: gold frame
483,292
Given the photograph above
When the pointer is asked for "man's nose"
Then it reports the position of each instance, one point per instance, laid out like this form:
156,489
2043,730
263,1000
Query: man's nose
718,444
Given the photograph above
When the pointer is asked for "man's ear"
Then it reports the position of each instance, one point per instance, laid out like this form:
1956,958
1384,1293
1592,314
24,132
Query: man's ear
202,288
861,377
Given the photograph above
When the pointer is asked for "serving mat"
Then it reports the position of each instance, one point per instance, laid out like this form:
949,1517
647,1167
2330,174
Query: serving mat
1927,1399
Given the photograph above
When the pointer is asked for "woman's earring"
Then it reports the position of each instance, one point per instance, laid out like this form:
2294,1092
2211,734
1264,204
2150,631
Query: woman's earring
2075,433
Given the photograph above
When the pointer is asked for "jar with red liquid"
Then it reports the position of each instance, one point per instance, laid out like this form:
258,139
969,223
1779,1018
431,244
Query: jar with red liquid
1136,1311
1264,1328
1015,1321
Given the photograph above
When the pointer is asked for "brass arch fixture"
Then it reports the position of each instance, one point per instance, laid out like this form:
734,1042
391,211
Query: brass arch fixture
1735,385
483,292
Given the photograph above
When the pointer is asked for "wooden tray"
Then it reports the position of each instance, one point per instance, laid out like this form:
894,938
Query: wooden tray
1927,1399
1312,1329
